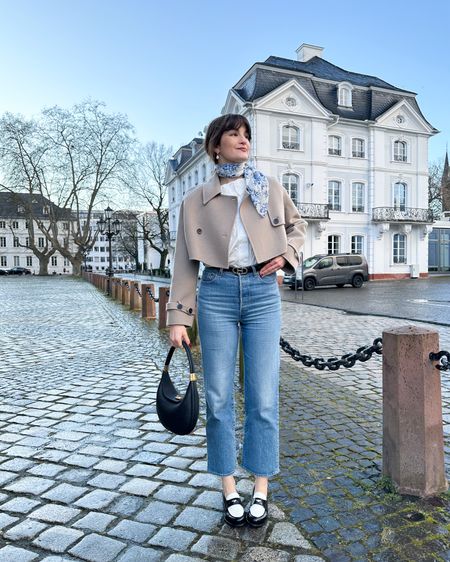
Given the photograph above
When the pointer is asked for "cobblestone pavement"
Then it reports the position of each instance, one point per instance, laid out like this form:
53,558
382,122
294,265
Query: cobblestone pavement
86,471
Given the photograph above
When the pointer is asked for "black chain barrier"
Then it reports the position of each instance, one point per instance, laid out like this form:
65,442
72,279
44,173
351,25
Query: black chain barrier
152,296
348,360
138,290
444,360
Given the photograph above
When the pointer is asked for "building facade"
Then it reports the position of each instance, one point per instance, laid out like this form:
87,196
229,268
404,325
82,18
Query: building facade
351,150
15,247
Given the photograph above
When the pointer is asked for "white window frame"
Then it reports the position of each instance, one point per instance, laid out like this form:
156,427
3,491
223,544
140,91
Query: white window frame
288,188
2,224
3,261
54,261
39,244
335,240
358,153
353,246
16,261
400,207
363,185
397,236
397,156
297,131
2,241
334,145
29,261
203,172
15,224
339,191
345,96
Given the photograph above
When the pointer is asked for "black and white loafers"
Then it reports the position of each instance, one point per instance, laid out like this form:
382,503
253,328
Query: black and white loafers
233,510
257,513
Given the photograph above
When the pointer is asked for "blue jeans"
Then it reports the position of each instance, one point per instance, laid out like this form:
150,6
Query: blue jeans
228,304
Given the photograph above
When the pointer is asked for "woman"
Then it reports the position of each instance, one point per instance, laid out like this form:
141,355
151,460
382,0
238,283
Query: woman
244,227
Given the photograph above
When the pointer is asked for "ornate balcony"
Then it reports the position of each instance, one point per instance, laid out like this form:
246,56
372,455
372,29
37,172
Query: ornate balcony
317,211
405,214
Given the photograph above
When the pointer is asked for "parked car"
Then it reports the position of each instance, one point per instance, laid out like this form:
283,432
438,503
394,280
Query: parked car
3,272
19,271
335,269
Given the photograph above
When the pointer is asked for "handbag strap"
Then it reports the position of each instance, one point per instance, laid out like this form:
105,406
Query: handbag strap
189,356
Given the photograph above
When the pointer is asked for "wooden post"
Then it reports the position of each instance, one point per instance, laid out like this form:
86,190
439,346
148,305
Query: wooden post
164,293
413,443
148,304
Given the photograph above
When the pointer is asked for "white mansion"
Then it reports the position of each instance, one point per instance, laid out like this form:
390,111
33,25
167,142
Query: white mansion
351,149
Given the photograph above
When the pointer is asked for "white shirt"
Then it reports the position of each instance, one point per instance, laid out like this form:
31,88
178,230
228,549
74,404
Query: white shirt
240,251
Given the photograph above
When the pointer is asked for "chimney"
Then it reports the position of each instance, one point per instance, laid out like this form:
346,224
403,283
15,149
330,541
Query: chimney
306,52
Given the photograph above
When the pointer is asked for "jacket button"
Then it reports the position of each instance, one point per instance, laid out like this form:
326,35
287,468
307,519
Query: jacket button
199,231
179,306
276,221
190,311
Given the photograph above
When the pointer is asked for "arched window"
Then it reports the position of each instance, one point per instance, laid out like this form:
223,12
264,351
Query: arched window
400,196
334,244
358,148
334,195
291,137
290,183
345,95
357,197
334,145
399,248
400,151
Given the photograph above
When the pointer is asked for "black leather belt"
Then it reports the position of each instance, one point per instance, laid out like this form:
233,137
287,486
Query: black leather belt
243,270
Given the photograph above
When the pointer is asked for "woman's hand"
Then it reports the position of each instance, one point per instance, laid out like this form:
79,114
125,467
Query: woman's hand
177,334
274,265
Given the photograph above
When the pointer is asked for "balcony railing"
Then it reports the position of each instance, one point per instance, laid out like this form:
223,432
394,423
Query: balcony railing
403,214
317,211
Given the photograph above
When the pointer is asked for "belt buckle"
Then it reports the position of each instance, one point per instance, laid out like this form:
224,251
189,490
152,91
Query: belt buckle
239,270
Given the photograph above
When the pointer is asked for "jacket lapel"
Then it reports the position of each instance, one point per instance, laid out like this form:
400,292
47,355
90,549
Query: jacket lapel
211,189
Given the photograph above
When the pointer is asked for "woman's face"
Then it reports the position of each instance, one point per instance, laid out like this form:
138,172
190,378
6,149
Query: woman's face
234,146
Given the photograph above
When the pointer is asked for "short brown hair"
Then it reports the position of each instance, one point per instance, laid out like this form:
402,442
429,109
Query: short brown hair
219,126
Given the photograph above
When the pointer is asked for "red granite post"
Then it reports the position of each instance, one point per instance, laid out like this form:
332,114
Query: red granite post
135,299
126,292
413,443
164,293
148,304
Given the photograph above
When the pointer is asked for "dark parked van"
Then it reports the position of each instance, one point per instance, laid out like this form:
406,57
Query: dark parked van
335,269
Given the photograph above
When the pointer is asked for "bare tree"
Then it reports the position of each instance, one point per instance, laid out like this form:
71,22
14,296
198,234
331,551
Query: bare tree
127,242
76,159
435,170
146,180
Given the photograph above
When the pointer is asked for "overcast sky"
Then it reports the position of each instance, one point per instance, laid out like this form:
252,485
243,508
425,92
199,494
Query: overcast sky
169,64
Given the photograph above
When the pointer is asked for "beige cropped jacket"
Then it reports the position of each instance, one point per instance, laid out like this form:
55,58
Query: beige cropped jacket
204,228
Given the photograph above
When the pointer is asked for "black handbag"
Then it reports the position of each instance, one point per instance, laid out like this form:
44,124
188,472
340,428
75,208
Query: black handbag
178,414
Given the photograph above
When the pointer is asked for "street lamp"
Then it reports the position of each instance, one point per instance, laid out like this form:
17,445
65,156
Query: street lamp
109,228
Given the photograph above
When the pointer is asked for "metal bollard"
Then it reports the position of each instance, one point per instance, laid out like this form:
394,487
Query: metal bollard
135,298
148,304
164,293
413,442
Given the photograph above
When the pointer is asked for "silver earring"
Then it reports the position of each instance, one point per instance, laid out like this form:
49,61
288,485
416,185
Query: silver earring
217,156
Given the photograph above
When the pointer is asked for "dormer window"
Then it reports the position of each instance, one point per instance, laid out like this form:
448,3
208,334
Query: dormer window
20,209
46,210
345,94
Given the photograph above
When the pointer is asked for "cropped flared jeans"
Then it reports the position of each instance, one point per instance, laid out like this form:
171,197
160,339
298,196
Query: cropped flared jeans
227,305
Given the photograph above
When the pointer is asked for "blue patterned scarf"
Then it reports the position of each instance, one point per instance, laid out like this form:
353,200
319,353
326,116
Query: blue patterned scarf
256,182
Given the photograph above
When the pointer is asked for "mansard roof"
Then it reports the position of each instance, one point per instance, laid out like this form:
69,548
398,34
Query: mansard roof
10,204
185,153
371,96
